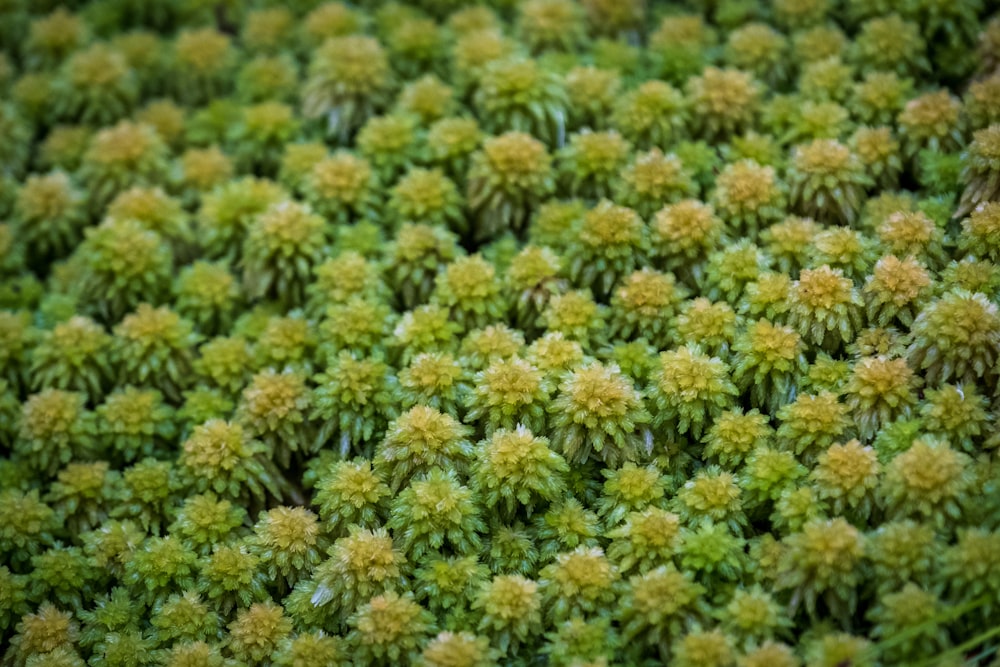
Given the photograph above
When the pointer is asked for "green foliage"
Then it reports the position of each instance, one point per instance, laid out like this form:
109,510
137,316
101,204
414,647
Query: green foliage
575,332
597,414
514,470
436,512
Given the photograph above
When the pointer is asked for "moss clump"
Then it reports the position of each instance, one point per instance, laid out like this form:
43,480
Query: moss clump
591,92
517,471
980,169
49,215
652,180
749,196
450,143
932,121
598,414
689,390
98,87
610,242
955,338
282,247
204,60
682,235
927,481
220,457
347,82
73,356
119,157
508,178
651,115
575,332
828,181
723,101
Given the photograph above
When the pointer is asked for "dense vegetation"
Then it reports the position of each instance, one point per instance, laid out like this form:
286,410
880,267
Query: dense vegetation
524,332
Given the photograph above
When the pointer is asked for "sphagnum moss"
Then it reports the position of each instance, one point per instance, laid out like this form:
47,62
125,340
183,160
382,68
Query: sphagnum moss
571,332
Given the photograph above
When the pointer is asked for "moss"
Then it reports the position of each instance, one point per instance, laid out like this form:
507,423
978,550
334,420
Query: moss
230,576
749,196
577,583
204,60
450,143
880,96
759,49
827,181
158,212
768,358
53,37
331,19
427,197
510,611
389,143
98,87
643,304
495,342
926,481
257,631
49,215
211,124
815,576
55,426
436,510
424,329
219,456
47,631
731,269
531,280
979,170
436,380
267,30
680,45
964,328
591,92
201,170
469,289
415,45
590,162
284,342
825,306
652,115
17,137
137,422
429,98
911,607
879,391
652,180
310,649
548,331
508,177
824,80
122,264
609,244
203,520
73,356
683,234
891,43
347,82
723,101
121,156
63,147
597,414
658,605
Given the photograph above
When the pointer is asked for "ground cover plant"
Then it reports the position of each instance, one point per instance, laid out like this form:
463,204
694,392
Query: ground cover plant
515,332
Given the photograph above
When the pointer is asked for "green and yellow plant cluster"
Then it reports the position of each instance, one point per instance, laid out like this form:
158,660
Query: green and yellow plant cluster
566,333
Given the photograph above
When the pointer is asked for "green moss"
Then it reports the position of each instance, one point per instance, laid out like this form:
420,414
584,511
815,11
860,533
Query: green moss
559,331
